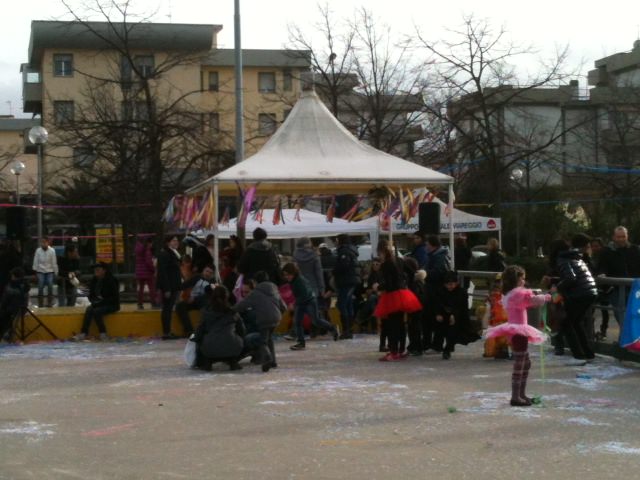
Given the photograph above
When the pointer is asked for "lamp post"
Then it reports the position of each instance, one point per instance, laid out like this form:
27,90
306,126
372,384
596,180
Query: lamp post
516,176
17,168
38,136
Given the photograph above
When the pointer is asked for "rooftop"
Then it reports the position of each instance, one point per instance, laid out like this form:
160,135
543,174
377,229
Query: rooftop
223,57
100,35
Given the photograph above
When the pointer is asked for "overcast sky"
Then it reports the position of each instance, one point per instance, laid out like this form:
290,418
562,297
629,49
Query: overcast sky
592,30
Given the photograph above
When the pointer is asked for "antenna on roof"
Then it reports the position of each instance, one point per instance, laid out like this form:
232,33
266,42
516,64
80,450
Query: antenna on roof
170,14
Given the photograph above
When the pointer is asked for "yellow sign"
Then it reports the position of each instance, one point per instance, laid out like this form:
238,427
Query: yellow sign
104,244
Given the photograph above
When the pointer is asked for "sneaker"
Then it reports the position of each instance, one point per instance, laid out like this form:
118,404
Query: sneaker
520,403
170,336
336,334
235,366
266,367
446,355
415,353
79,337
290,337
387,358
298,346
104,337
403,355
576,362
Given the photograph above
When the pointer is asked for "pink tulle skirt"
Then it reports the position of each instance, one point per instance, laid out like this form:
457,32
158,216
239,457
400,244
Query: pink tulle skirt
509,330
397,301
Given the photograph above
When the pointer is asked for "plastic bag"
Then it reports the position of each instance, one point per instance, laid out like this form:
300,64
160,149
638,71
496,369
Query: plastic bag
190,353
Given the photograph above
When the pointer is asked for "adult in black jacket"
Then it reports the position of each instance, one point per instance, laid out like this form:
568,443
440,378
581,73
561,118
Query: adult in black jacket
438,265
104,295
620,259
219,337
68,269
168,282
346,278
495,257
578,288
14,298
260,256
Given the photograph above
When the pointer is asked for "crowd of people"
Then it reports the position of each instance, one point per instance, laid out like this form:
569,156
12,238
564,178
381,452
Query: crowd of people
414,302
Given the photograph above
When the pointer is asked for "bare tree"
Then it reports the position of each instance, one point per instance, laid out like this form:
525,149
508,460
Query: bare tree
488,103
368,80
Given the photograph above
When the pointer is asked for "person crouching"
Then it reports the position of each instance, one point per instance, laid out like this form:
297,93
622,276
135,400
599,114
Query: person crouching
265,302
219,337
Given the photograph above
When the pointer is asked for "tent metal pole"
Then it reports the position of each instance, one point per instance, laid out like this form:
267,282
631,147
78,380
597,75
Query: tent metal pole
216,238
390,226
451,229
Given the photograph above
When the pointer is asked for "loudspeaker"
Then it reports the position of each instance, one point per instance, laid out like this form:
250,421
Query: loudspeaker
429,218
16,223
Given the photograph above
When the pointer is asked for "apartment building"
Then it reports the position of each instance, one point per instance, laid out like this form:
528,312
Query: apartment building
82,79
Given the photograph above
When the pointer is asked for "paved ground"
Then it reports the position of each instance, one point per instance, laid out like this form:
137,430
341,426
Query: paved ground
132,411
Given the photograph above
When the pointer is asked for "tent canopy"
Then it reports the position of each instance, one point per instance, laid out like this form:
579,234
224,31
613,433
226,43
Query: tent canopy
312,152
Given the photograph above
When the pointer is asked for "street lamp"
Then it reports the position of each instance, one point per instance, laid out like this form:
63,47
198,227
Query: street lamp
17,168
38,136
516,176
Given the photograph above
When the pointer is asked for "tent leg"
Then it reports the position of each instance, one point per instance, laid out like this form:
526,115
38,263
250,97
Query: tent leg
216,238
451,229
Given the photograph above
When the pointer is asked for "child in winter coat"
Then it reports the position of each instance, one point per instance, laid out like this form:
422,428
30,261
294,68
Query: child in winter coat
496,347
265,303
305,303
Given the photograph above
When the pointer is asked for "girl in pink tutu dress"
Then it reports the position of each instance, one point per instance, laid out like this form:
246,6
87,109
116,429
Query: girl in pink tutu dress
395,301
516,301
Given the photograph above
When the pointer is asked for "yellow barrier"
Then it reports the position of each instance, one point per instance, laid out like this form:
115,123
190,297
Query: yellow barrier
65,322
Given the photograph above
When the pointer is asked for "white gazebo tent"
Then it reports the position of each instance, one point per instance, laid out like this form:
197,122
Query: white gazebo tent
312,153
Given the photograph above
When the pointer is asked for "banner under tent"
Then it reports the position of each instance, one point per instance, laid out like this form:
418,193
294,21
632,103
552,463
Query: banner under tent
296,223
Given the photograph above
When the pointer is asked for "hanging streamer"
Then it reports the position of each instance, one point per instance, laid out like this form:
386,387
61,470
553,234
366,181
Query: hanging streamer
331,211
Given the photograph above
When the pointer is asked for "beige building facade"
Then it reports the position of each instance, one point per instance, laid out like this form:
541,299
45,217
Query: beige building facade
89,72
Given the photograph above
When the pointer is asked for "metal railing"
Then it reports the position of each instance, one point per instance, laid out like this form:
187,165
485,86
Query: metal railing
616,300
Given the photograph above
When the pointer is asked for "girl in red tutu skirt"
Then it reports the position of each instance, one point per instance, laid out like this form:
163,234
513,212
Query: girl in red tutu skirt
516,300
395,301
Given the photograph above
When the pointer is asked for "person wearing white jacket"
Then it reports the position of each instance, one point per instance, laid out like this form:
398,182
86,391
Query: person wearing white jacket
45,265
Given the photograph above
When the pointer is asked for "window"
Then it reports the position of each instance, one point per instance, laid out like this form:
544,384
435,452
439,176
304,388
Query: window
145,65
84,156
135,111
266,82
62,112
287,80
125,70
266,124
63,65
141,111
214,122
213,81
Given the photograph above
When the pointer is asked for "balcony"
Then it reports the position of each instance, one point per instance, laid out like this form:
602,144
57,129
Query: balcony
31,90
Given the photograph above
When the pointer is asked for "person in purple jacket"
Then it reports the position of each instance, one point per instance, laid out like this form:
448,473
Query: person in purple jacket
145,270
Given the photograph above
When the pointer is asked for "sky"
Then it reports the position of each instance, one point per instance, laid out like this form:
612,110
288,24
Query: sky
591,30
